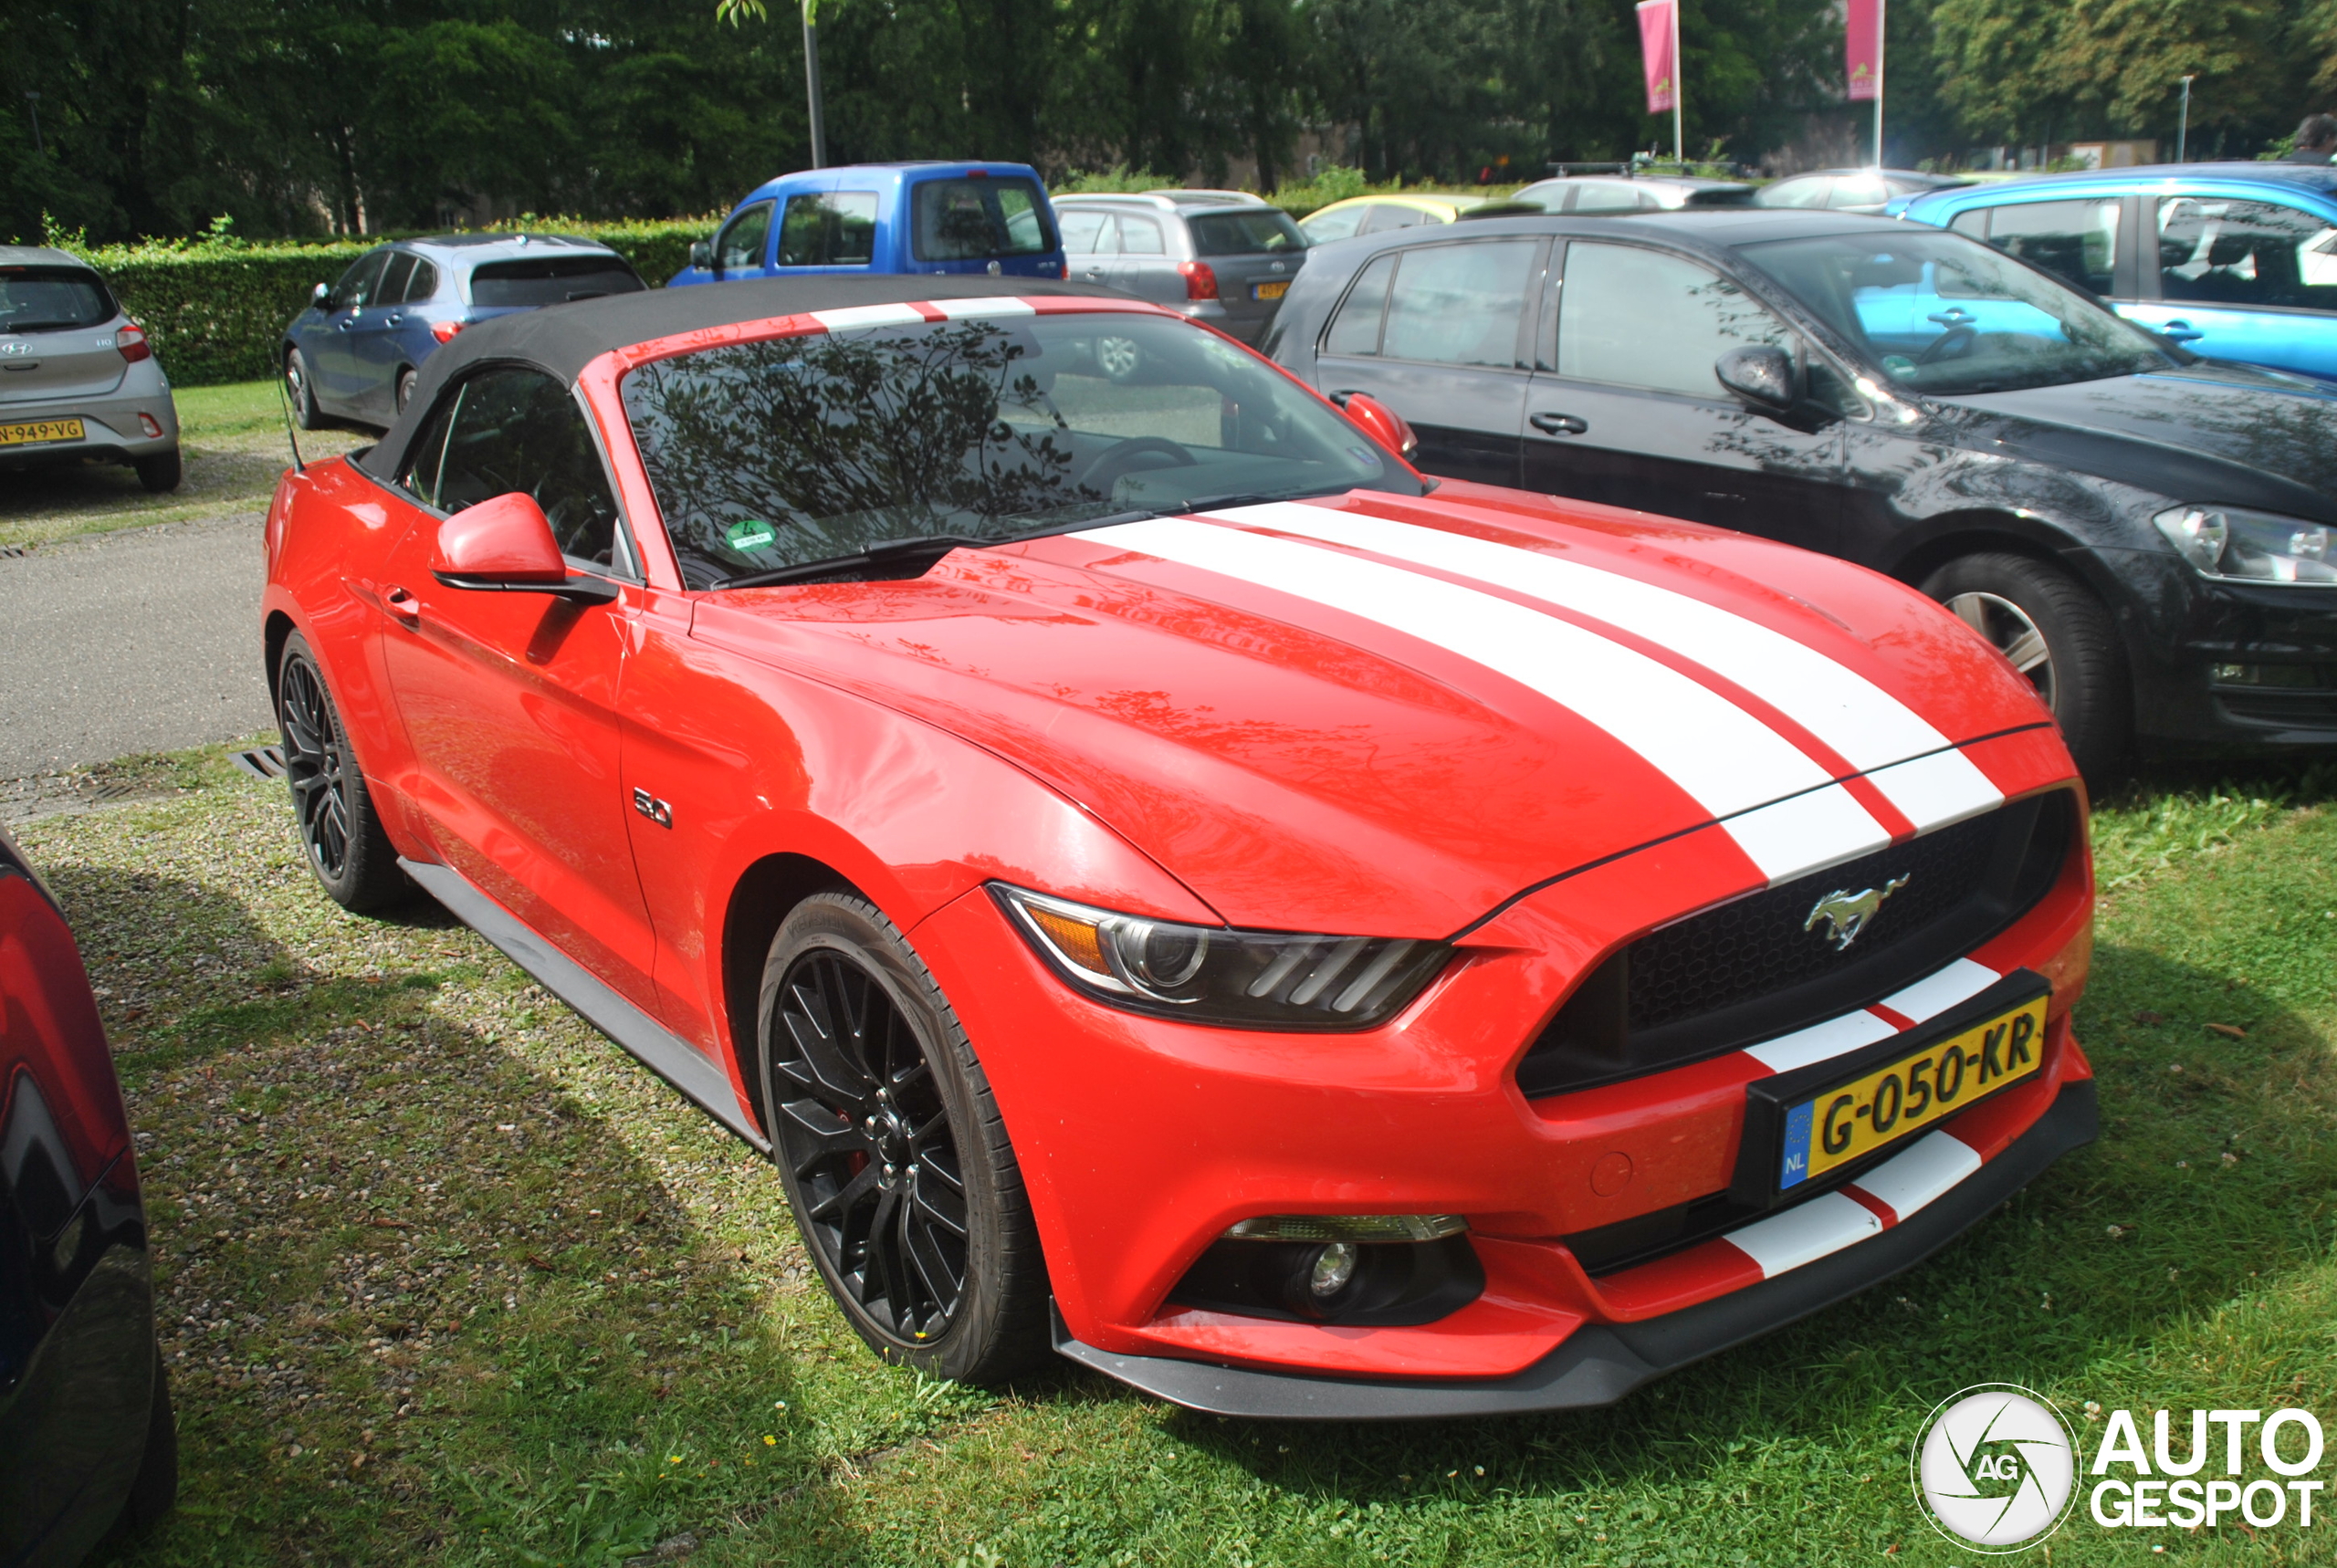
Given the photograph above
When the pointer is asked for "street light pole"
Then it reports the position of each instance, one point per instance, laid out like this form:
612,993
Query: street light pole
2183,125
1882,46
811,84
1679,148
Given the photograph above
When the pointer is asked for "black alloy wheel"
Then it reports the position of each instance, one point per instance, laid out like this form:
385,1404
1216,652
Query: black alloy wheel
348,848
895,1160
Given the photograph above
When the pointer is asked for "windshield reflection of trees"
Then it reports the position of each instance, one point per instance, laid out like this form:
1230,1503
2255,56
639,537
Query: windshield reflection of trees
839,441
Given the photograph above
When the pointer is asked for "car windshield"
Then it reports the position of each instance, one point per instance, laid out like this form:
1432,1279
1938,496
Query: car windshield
1941,314
51,299
809,448
1242,234
551,280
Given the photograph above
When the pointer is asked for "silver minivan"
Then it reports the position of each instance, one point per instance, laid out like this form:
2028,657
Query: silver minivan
78,381
1221,256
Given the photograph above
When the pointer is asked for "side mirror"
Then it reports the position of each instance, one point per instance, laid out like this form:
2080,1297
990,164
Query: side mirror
320,294
1380,422
1762,378
702,255
506,546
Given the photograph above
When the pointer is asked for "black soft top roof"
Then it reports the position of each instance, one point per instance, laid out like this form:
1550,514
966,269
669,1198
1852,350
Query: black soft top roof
563,338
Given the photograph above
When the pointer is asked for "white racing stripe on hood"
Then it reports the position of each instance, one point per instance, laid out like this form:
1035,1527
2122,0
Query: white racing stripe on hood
1724,758
1865,724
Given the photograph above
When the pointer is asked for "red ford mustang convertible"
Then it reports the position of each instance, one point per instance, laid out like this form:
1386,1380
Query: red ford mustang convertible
1166,881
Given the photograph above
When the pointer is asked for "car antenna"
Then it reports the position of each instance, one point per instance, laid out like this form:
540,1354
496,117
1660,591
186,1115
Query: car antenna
290,434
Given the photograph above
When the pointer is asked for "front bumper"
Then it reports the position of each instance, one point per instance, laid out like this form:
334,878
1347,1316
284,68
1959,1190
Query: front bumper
2226,666
1600,1363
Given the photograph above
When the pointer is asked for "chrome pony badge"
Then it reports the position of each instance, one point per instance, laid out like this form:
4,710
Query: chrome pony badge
1847,912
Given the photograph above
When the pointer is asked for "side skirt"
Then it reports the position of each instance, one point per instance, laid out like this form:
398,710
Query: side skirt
666,1053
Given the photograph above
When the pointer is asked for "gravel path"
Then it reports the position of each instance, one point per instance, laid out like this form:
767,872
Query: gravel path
144,639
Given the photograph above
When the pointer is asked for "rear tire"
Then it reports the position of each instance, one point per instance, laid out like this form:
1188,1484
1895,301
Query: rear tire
302,386
896,1163
156,1487
407,378
2059,637
162,472
346,846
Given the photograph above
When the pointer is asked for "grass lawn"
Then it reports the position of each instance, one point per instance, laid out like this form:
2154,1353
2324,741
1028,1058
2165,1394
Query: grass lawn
446,1279
232,438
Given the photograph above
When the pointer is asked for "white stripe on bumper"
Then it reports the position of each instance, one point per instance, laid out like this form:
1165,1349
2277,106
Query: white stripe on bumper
1805,1233
1909,1180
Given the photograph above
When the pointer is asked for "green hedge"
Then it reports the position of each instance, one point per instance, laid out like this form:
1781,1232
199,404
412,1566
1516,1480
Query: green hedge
216,308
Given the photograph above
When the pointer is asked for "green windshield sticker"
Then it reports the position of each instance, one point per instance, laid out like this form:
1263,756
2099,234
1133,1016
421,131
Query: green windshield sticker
750,533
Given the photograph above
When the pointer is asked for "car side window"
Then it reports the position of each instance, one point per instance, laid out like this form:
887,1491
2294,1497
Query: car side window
360,284
419,477
1973,223
1599,196
1388,215
1141,236
1086,232
2246,254
740,243
1355,330
424,283
2077,241
1460,304
519,430
1642,319
395,278
829,229
1807,191
1325,227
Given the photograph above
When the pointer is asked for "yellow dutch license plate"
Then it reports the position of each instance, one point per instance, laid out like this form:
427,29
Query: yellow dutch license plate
40,430
1851,1120
1269,290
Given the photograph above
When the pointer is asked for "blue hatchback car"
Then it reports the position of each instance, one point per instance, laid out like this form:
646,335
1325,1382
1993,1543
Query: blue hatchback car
2235,261
886,218
355,351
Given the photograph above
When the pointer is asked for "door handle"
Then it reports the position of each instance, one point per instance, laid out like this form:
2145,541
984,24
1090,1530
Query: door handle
403,605
2181,332
1092,275
1558,424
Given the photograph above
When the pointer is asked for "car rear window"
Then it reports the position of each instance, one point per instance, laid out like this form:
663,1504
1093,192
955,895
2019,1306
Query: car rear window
551,280
51,299
1244,234
801,449
974,220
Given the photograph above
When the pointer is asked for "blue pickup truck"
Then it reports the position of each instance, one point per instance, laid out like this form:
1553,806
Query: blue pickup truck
886,218
2236,261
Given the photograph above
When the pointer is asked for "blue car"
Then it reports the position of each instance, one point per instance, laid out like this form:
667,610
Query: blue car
355,352
886,218
2235,261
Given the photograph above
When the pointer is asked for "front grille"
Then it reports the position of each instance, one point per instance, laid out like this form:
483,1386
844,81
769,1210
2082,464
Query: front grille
1751,969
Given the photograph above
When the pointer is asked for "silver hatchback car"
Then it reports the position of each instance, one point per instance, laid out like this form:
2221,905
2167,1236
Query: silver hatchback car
1221,256
78,381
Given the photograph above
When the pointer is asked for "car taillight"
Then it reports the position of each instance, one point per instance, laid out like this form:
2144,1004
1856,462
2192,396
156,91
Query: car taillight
152,427
1201,280
445,330
1067,269
131,341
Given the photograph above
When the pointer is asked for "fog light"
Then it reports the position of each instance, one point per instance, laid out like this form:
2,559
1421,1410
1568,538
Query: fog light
1334,1266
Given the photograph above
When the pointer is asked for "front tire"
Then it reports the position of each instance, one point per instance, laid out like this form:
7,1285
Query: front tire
2058,637
156,1487
895,1161
302,386
406,379
348,847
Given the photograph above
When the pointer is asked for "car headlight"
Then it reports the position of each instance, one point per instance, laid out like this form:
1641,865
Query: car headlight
1215,975
2250,547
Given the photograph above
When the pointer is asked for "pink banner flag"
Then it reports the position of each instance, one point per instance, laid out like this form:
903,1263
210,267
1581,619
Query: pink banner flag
1657,34
1865,48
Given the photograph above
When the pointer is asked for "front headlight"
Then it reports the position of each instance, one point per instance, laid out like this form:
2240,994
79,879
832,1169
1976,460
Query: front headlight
2250,547
1211,974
